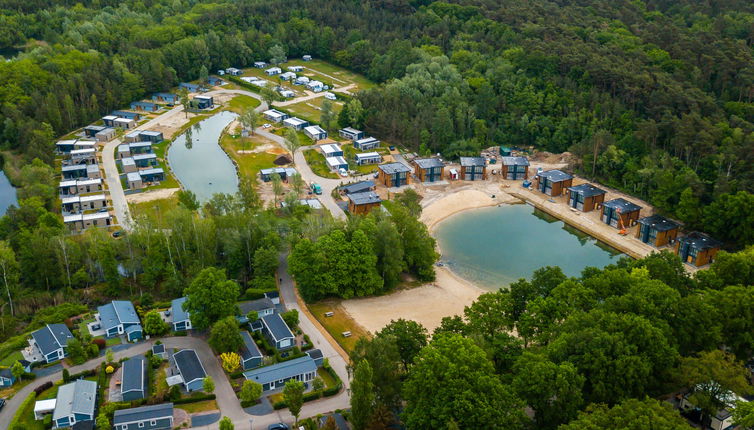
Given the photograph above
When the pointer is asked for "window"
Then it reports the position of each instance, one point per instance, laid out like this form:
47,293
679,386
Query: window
153,423
141,425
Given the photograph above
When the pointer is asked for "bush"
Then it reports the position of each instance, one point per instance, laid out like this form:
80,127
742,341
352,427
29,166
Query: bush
44,387
194,399
100,342
257,293
308,397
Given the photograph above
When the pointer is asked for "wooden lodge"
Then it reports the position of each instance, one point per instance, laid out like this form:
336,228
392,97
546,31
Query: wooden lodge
620,213
394,174
428,169
514,168
553,182
362,203
585,197
697,249
657,230
473,168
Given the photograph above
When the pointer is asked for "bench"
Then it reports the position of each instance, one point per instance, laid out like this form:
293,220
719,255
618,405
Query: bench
329,314
346,334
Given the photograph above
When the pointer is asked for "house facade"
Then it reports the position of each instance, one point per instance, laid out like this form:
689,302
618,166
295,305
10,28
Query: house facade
275,115
251,357
6,377
473,168
336,163
79,186
277,332
155,417
368,158
514,168
553,182
351,133
394,174
295,123
657,230
181,319
697,249
428,169
366,143
52,342
363,203
119,316
315,132
275,376
585,197
620,213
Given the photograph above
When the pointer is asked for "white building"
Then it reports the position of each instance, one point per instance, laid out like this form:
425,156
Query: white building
368,158
295,123
272,71
315,132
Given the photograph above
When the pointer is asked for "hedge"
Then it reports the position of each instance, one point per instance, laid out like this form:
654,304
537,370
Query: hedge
194,399
21,409
46,386
308,397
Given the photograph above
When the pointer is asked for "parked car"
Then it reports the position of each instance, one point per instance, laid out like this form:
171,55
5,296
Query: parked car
278,426
267,126
118,233
343,172
2,404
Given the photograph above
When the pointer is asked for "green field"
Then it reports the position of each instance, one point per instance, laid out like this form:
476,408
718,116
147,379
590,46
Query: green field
310,109
249,164
12,358
316,162
239,104
321,68
154,210
338,323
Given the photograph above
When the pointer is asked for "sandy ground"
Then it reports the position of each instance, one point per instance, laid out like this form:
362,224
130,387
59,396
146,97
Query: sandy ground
427,304
439,205
162,193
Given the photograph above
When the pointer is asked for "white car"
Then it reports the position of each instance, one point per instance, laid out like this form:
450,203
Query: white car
266,126
343,172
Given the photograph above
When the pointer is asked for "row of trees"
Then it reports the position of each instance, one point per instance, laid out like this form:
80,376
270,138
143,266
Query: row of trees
579,352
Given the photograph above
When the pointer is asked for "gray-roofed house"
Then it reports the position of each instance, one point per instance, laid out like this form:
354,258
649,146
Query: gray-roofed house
203,102
181,319
158,349
145,106
119,317
366,143
295,123
429,169
394,174
585,197
251,357
52,341
363,203
75,403
317,356
336,163
358,187
271,377
190,369
168,98
6,377
134,379
274,296
368,158
657,230
514,168
473,168
277,332
315,132
351,133
331,150
262,307
620,213
553,182
92,130
154,417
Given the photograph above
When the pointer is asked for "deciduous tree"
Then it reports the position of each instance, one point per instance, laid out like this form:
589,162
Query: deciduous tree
210,297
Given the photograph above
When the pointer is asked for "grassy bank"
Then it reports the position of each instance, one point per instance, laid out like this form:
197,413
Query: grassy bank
338,323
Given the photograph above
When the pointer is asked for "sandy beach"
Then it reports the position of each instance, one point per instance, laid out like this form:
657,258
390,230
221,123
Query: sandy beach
159,194
427,304
440,205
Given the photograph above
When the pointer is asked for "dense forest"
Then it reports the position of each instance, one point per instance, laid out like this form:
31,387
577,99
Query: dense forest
652,97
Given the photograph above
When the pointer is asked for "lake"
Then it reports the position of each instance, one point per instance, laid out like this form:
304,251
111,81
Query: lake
7,194
202,166
495,246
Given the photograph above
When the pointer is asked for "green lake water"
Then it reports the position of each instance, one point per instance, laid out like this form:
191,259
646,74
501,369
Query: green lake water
495,246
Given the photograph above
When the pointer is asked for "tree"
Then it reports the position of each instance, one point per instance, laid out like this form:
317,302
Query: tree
203,74
712,376
362,395
226,424
629,414
327,115
210,297
224,336
76,351
290,317
250,392
66,375
552,390
17,370
9,269
318,384
292,142
268,95
453,380
387,369
231,361
277,187
293,395
103,422
410,200
183,97
490,314
208,385
154,325
743,414
187,199
297,184
277,54
109,358
252,316
410,337
249,119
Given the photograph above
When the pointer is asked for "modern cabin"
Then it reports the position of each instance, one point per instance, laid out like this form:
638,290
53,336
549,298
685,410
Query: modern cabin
514,168
697,249
585,197
657,230
620,213
473,168
394,174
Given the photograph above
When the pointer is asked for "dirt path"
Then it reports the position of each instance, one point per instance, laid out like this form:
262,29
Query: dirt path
311,96
151,195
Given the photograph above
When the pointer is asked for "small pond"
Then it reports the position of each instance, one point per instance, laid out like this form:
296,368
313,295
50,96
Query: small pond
7,194
201,165
496,246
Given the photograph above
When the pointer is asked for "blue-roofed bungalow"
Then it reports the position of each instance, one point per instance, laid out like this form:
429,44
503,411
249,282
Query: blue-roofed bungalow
145,106
277,332
134,385
168,98
192,88
126,114
181,320
6,377
52,341
75,403
119,317
154,417
251,357
190,368
302,369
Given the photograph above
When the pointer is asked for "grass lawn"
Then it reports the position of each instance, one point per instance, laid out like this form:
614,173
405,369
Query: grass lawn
26,417
12,358
204,406
349,153
338,323
155,209
239,104
316,161
322,67
162,384
310,109
112,341
326,377
249,164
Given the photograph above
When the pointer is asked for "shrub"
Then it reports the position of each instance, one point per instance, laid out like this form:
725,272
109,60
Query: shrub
43,387
100,342
193,399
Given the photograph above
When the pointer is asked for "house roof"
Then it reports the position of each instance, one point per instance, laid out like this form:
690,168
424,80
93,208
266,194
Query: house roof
177,311
659,223
277,327
314,129
133,176
366,140
105,131
78,397
428,163
133,329
295,121
150,133
124,416
336,161
392,168
330,148
151,171
340,421
255,305
587,190
96,215
350,130
364,198
368,155
315,354
700,241
622,205
284,370
6,373
273,112
73,168
134,371
147,156
358,187
249,349
189,365
116,313
158,348
514,161
95,127
272,294
555,175
51,337
473,161
128,161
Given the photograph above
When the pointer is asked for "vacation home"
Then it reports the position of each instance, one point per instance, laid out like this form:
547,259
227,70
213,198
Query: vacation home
275,376
514,168
553,182
133,380
697,249
295,123
275,115
351,133
368,158
251,357
428,169
180,317
362,203
315,132
119,317
154,417
75,403
51,341
473,168
657,230
190,370
620,213
585,197
394,174
277,332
